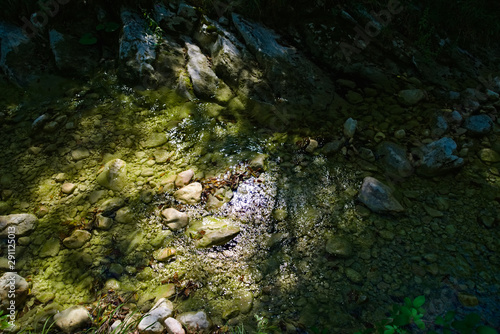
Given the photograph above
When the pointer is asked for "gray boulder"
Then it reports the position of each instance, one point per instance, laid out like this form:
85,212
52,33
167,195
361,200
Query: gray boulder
394,159
72,319
438,158
378,197
12,282
19,224
137,48
479,124
206,84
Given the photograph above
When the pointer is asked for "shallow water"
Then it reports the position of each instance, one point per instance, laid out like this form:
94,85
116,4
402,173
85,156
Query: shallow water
286,214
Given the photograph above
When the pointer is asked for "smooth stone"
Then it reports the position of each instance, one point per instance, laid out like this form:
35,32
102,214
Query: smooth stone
77,239
4,208
162,156
21,223
468,300
353,97
353,275
313,144
173,326
378,197
68,188
152,321
155,140
258,162
174,219
164,291
80,153
61,177
190,194
164,254
488,155
438,158
244,301
411,97
350,127
183,178
195,321
112,204
339,246
394,159
212,231
72,319
114,175
124,215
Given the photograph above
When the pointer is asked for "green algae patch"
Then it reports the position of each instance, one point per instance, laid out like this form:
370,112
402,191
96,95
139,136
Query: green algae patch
211,231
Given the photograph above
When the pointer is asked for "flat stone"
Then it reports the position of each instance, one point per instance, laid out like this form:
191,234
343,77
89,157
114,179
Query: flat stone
190,194
124,215
77,239
468,300
80,153
212,231
72,319
488,155
339,246
411,97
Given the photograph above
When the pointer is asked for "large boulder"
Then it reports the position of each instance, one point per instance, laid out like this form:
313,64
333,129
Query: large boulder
211,231
19,224
378,196
114,175
439,158
12,283
205,82
137,48
72,319
70,55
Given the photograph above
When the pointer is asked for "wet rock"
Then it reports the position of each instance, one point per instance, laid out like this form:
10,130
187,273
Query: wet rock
366,154
80,153
394,160
174,219
195,321
332,147
125,215
468,300
353,275
152,322
190,194
183,178
211,231
70,56
350,127
77,239
137,48
68,188
187,11
72,319
114,175
313,144
339,246
244,301
173,326
205,82
492,96
21,223
308,89
439,158
50,248
112,204
21,289
164,291
155,139
488,155
400,134
455,118
479,124
164,254
258,162
378,197
4,208
411,97
440,127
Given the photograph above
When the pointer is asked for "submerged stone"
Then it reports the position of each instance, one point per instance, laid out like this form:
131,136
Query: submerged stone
378,197
339,246
211,231
77,239
438,158
155,140
190,194
114,175
488,155
479,124
50,248
183,178
394,159
411,97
